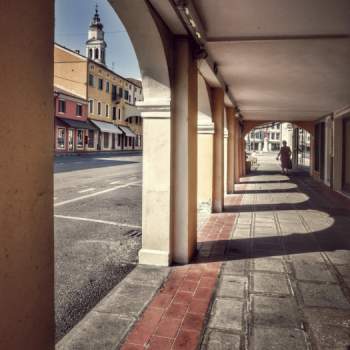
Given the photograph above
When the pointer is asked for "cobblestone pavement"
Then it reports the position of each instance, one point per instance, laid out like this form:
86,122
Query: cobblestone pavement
279,277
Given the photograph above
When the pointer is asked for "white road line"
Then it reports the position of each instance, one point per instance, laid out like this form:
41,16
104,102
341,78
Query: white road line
87,190
94,194
115,183
97,221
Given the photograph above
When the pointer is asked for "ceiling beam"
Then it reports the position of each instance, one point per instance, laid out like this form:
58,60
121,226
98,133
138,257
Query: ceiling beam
191,20
240,39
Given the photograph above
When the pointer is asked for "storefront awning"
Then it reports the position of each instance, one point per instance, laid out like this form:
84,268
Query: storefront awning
126,130
106,127
78,124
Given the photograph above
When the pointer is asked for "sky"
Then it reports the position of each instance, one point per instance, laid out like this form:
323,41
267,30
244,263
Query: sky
72,20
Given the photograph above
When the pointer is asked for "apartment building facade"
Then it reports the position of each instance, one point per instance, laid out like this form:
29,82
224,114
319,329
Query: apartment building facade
111,99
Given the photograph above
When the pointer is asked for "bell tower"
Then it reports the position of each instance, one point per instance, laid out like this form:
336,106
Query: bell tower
96,45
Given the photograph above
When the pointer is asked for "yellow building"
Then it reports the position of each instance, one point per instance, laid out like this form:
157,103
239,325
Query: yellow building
111,98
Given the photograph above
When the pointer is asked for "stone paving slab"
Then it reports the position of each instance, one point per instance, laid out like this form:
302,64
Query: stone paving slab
106,325
227,314
280,279
277,339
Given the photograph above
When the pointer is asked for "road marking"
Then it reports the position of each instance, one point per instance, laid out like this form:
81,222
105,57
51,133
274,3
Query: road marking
87,190
115,183
97,221
94,194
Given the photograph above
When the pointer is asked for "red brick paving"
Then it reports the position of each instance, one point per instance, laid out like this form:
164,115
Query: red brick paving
176,316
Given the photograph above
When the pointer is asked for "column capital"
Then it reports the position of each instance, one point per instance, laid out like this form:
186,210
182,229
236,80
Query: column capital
206,128
155,108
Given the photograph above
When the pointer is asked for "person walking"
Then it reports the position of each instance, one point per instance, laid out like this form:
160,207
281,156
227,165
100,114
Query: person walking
285,154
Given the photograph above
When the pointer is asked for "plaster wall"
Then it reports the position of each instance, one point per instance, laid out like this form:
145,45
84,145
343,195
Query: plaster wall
26,205
70,71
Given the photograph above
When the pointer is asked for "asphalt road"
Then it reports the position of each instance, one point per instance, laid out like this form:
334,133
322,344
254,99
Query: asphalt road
97,230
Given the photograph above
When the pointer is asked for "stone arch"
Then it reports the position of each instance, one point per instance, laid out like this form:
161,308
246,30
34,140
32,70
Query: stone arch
249,125
148,36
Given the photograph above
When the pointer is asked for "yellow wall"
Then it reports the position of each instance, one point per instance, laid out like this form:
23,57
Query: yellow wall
70,71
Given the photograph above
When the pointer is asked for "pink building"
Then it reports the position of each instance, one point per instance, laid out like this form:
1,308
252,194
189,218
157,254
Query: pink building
73,132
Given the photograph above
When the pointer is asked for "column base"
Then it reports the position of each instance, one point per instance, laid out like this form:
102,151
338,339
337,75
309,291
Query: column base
154,257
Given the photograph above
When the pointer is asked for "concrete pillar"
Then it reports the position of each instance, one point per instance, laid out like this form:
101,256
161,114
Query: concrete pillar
237,147
185,95
26,205
205,165
230,150
156,189
218,118
337,154
243,160
225,159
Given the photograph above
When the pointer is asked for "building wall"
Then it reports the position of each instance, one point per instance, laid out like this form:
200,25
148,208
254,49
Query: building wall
70,71
71,108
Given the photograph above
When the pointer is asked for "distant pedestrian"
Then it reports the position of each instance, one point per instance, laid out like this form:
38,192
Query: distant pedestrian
285,154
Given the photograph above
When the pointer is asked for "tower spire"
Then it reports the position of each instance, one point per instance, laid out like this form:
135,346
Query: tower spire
96,45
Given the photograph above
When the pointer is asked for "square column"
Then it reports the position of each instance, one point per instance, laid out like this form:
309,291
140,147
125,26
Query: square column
237,154
156,188
230,149
225,159
26,171
218,118
205,134
184,165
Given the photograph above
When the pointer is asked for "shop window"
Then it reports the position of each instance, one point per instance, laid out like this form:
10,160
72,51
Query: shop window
130,141
105,139
79,110
61,138
119,140
91,139
125,141
80,138
100,84
61,106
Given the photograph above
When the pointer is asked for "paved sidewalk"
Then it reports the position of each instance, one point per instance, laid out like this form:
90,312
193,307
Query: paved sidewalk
272,272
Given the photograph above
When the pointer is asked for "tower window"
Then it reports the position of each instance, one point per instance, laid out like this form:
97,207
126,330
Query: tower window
96,54
90,53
